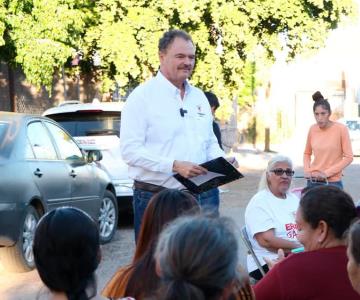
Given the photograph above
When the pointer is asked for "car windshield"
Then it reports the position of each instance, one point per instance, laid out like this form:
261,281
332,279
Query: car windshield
5,144
3,129
89,123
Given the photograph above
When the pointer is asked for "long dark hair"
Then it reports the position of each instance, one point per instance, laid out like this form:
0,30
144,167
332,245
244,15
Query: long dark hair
163,208
197,258
66,251
331,205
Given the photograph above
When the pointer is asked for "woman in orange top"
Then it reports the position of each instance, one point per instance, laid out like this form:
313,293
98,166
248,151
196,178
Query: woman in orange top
328,143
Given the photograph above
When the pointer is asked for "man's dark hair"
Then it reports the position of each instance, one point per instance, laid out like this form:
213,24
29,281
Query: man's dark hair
213,100
169,37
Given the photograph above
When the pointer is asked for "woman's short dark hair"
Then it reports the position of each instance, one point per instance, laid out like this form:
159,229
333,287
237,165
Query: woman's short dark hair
197,257
66,251
169,37
320,101
354,236
213,100
331,205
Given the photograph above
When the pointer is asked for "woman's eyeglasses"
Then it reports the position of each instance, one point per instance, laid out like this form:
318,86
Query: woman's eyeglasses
280,172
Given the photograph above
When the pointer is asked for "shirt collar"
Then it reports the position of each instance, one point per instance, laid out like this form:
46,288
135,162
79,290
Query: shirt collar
169,86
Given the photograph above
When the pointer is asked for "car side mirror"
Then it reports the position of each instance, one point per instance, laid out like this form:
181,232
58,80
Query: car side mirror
93,155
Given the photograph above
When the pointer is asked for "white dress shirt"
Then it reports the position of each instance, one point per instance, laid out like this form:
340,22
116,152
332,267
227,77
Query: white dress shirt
153,133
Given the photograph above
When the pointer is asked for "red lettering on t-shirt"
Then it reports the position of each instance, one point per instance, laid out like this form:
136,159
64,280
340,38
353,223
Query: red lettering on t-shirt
291,230
290,226
291,234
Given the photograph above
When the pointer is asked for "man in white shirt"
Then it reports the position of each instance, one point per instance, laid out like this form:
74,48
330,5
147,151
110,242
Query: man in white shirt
166,127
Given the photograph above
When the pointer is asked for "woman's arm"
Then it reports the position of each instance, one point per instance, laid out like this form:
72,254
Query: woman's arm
269,288
347,154
268,240
307,155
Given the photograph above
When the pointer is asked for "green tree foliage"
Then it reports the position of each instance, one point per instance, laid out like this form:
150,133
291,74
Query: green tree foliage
235,39
42,35
2,22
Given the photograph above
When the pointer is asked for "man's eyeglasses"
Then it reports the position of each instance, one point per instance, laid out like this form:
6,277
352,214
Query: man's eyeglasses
280,172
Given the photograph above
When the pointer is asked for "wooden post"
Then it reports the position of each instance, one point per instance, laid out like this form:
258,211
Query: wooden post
64,82
267,139
12,97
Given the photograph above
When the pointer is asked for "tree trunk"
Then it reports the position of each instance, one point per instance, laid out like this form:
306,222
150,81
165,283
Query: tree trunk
12,96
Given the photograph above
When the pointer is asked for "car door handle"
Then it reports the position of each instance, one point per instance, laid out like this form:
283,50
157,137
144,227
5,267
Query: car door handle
73,174
38,173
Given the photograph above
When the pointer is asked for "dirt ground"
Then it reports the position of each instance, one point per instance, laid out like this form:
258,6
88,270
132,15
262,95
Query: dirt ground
119,252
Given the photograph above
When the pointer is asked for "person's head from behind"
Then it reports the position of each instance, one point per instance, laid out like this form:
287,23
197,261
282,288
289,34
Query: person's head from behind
353,253
321,109
163,208
177,56
67,252
323,216
196,258
278,175
213,101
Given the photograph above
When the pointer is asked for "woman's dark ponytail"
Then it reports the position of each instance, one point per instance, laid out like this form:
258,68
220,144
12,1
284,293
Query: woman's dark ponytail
197,258
317,96
85,290
180,289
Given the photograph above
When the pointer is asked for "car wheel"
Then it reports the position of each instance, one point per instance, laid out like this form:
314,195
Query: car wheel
20,258
108,218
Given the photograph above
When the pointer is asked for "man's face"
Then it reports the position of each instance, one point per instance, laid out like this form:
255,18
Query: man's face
177,61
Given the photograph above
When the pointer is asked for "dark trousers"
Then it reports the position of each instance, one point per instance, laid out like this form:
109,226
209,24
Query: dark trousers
257,274
338,184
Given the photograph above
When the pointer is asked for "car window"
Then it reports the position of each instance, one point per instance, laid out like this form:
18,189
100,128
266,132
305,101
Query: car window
40,141
66,146
3,129
89,123
353,125
4,143
29,154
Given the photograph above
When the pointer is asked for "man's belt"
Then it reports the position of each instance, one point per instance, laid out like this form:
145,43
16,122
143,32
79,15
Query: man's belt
318,180
148,187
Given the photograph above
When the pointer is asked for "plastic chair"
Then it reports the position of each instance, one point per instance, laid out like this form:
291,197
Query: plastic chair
246,240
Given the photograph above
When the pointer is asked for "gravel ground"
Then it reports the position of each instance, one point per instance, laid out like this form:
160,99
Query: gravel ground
119,252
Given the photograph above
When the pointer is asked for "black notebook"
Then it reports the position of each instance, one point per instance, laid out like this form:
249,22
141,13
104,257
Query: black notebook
220,171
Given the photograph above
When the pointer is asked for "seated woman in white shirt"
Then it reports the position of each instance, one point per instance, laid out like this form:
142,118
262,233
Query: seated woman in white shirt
270,214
